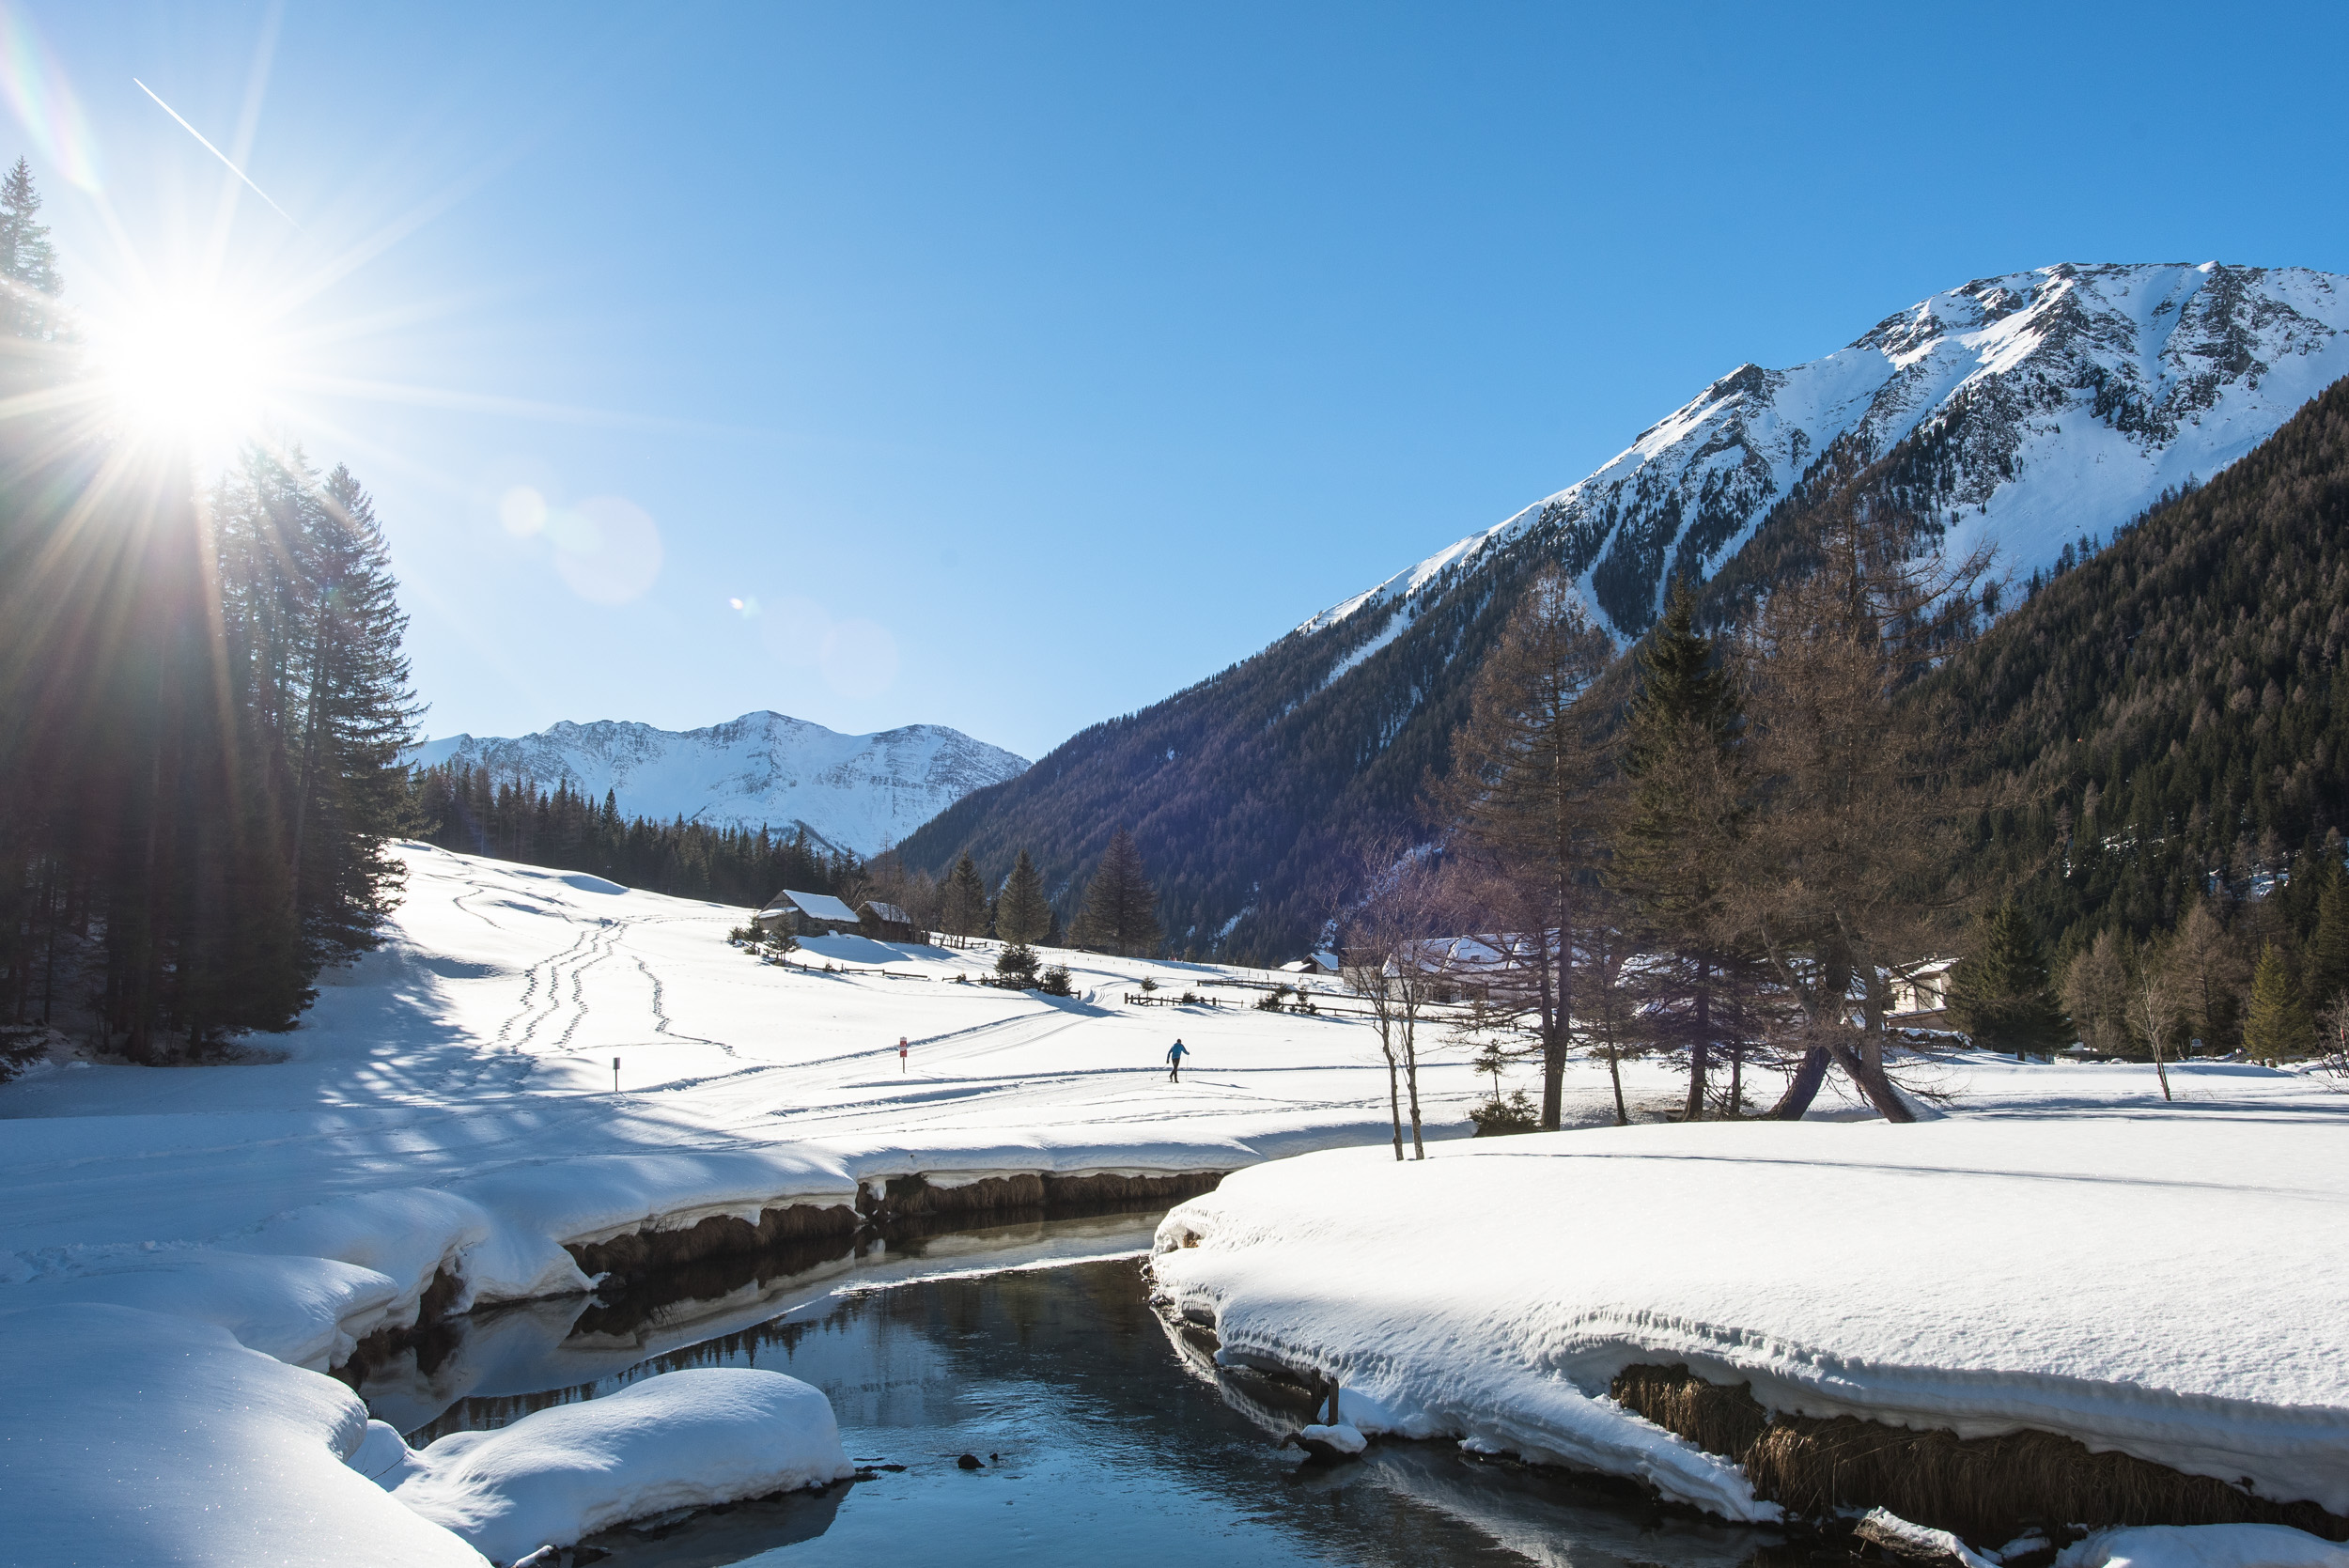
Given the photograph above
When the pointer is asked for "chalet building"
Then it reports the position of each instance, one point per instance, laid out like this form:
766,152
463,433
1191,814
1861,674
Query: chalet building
808,914
886,922
1920,992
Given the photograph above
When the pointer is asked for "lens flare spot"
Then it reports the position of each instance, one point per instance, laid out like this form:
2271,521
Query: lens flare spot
607,550
523,511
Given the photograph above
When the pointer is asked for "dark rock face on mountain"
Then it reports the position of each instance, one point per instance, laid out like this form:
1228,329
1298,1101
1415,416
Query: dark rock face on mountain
2023,411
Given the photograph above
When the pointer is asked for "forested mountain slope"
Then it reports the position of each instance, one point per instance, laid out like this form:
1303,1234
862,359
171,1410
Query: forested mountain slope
2174,705
2028,410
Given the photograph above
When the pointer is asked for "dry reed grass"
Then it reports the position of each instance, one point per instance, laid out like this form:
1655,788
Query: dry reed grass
1986,1490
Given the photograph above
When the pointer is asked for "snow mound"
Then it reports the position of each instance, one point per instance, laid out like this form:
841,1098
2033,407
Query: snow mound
2203,1547
138,1437
685,1439
1971,1275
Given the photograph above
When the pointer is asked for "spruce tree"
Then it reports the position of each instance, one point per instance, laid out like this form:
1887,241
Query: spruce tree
2327,960
2278,1026
1120,913
2001,996
965,912
1021,915
1684,813
29,261
349,793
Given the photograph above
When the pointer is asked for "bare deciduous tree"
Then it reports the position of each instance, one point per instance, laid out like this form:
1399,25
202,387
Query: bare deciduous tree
1391,961
2154,997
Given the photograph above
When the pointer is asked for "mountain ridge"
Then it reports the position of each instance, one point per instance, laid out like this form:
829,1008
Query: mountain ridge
2031,410
856,792
1671,489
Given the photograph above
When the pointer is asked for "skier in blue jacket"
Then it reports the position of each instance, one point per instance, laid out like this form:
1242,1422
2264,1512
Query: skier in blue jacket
1175,1055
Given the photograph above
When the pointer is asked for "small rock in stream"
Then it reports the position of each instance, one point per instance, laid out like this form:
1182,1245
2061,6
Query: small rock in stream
971,1462
1330,1444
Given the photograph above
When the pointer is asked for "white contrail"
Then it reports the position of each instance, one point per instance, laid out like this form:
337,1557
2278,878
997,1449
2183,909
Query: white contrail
213,150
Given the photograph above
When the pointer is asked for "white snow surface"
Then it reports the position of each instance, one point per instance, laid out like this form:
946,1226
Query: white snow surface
2077,395
684,1439
2203,1547
857,792
1922,1541
173,1235
2166,1281
132,1436
193,1242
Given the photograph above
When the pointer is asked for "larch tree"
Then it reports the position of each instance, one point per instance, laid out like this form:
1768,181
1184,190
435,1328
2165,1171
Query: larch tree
1528,786
2001,996
1022,916
1848,857
2097,995
2207,973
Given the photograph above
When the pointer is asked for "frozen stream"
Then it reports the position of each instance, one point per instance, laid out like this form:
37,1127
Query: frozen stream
1107,1438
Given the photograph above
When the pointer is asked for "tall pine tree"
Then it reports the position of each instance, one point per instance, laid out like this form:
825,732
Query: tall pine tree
2001,996
965,912
29,261
1021,915
1120,913
2328,959
2278,1027
1686,801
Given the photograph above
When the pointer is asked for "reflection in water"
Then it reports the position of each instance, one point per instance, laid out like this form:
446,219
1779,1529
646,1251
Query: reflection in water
1110,1439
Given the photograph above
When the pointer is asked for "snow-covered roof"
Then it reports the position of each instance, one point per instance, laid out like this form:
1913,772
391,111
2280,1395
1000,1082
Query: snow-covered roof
816,906
1299,965
888,913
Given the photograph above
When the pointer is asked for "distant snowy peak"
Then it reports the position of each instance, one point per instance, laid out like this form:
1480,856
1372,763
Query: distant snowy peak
2048,404
857,792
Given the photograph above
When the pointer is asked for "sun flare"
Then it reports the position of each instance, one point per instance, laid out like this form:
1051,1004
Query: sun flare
194,368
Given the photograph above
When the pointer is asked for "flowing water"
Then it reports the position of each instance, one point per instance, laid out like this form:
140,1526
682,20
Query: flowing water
1105,1436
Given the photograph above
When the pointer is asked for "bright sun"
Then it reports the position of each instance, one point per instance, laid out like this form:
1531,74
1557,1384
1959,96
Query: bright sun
193,368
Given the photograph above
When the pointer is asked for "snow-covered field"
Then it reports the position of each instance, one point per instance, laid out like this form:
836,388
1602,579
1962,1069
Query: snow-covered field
178,1244
449,1103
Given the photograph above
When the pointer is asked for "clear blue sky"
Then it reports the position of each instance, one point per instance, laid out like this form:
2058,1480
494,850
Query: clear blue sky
1073,351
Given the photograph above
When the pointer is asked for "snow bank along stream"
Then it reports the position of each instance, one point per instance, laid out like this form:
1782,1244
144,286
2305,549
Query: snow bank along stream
2174,1288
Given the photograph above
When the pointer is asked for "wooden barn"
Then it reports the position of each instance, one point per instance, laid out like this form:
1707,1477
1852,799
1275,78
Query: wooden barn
808,914
886,922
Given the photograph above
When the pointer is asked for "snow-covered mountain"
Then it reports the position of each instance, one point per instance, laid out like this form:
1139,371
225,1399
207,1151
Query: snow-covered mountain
859,792
2026,410
2045,405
